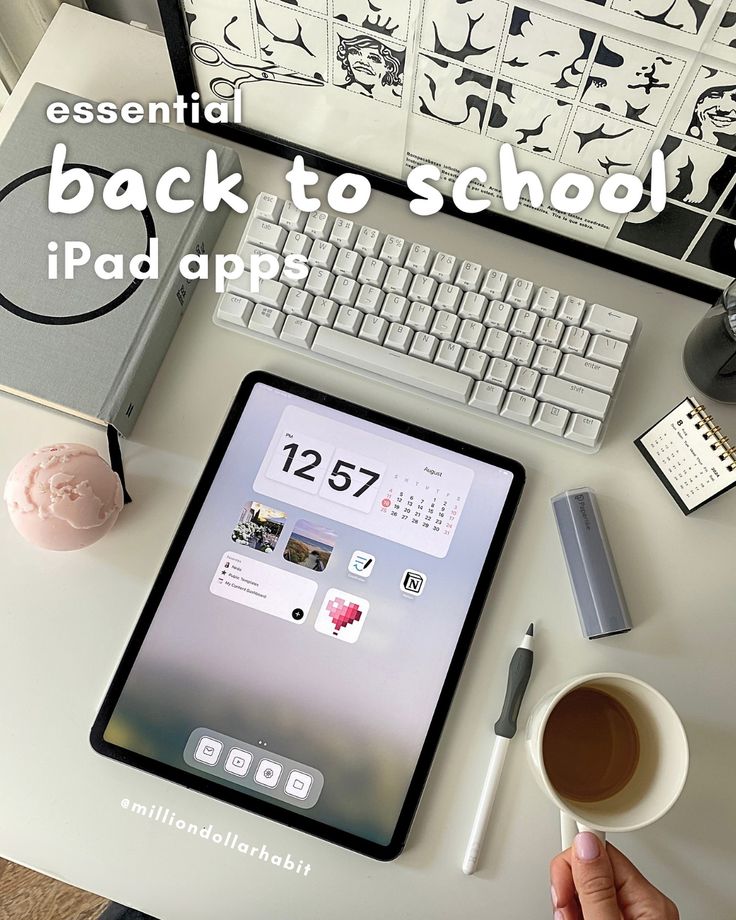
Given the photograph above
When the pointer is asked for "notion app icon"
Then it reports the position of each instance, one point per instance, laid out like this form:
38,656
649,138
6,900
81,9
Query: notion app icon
413,582
342,615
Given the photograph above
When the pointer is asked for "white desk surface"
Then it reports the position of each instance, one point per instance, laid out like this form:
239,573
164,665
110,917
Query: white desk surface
64,619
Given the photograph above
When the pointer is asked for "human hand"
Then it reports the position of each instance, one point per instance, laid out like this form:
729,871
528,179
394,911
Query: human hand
595,882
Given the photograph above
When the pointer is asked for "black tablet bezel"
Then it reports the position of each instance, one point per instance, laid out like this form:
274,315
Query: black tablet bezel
242,799
175,32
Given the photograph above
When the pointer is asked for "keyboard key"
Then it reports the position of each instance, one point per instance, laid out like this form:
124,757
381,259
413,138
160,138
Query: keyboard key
523,322
609,351
473,306
443,267
370,299
499,314
571,311
420,317
348,320
448,297
270,293
322,254
422,289
398,281
494,284
520,293
470,334
445,325
583,430
298,244
520,351
575,340
323,311
248,251
373,329
551,419
291,217
393,251
423,346
488,397
398,368
419,259
549,332
519,408
347,263
344,233
266,321
474,364
525,381
298,303
368,242
288,279
270,236
449,354
500,372
469,276
299,332
545,301
395,308
344,291
398,337
496,343
589,373
608,322
372,271
234,309
546,359
267,207
573,396
319,282
318,225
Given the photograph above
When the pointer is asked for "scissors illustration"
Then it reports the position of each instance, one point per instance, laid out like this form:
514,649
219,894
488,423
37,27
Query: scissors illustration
253,73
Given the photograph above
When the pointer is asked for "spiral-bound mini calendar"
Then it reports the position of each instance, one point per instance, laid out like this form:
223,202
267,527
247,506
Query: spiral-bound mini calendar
690,454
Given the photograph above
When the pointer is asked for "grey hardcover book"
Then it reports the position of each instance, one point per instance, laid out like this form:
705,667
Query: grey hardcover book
87,345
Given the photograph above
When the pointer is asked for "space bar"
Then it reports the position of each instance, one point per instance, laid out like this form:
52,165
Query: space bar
392,365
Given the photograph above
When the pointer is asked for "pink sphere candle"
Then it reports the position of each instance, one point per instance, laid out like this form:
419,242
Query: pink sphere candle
63,497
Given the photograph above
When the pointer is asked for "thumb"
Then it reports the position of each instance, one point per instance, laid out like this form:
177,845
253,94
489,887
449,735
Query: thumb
593,876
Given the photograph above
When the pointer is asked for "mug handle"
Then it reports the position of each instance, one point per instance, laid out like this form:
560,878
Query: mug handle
569,827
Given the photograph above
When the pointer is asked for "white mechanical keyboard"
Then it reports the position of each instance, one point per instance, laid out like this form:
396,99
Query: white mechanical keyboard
504,348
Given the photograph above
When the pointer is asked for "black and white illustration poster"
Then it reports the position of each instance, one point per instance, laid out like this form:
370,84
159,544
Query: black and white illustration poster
451,93
631,80
593,87
528,118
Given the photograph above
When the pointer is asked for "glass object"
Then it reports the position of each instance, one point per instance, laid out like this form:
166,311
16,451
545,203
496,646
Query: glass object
710,351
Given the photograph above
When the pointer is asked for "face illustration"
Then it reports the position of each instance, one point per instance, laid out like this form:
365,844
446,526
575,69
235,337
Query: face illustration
370,67
367,65
715,113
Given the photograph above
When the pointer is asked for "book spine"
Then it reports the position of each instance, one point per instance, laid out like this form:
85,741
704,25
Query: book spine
174,293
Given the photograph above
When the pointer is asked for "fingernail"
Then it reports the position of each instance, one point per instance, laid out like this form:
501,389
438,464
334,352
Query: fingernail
553,894
587,846
559,915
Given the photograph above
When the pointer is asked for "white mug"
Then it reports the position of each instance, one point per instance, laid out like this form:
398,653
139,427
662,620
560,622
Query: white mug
660,773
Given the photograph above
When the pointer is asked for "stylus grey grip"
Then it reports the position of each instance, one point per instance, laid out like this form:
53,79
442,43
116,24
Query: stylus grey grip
595,584
520,671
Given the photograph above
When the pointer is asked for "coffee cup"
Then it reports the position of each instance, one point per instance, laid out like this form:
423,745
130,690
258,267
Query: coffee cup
610,752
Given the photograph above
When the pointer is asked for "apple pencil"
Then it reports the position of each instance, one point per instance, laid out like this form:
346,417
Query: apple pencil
520,671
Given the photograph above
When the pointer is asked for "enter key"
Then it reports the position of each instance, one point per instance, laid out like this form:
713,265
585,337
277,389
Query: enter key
588,373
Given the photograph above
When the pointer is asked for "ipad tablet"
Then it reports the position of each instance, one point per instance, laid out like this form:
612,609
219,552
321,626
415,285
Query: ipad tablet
301,644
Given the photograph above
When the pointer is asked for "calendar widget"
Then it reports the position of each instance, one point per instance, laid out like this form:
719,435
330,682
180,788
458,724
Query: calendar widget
352,476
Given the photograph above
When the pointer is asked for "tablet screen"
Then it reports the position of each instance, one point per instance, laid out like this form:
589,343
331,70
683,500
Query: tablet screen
305,631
